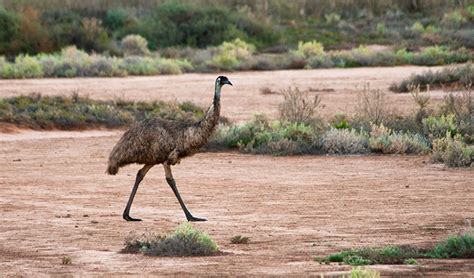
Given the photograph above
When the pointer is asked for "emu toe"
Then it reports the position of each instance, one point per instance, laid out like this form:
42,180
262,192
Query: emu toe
128,218
195,219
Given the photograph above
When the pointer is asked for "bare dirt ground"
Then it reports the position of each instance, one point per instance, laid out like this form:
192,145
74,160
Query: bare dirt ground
56,201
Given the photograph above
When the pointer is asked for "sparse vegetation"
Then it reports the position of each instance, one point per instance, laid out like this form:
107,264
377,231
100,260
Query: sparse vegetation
239,240
184,241
454,247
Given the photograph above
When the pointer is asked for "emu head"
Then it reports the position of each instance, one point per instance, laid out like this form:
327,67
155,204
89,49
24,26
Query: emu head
222,80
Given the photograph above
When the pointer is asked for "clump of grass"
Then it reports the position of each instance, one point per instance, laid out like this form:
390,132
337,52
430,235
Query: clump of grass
453,76
75,112
461,246
239,240
184,241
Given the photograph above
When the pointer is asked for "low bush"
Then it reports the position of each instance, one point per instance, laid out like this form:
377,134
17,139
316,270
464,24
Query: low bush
135,45
344,141
457,76
454,247
264,137
386,141
184,241
452,151
46,112
230,55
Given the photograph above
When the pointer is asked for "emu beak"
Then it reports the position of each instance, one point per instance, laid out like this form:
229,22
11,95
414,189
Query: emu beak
229,83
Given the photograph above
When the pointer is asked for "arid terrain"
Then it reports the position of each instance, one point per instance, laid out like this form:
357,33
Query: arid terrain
56,200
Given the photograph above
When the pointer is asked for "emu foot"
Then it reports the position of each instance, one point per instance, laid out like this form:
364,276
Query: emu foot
191,218
128,218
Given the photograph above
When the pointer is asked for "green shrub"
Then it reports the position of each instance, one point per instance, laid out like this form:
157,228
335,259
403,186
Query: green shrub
384,140
332,18
309,49
185,241
231,54
344,141
437,127
453,152
454,247
135,45
368,256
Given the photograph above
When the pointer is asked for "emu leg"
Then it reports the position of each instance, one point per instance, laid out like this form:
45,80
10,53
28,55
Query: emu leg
140,175
172,183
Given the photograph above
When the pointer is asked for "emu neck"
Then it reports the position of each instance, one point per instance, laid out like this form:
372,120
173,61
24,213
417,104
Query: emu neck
198,135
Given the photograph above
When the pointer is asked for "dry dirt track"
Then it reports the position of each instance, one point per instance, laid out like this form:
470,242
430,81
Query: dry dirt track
55,199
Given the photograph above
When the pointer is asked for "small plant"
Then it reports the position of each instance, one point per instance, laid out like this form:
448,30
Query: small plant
410,261
185,241
359,272
239,240
66,260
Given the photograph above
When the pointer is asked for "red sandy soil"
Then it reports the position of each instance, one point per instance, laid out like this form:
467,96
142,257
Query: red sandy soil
56,200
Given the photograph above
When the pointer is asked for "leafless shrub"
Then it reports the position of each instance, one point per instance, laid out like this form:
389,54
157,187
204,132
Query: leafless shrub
372,106
298,106
422,100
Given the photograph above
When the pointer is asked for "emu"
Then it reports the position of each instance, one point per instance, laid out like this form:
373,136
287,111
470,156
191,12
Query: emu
157,141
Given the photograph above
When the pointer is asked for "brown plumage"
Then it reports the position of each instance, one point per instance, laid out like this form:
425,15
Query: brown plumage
158,141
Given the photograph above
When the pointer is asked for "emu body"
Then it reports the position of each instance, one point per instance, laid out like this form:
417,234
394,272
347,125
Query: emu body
158,141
